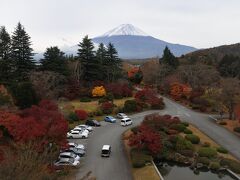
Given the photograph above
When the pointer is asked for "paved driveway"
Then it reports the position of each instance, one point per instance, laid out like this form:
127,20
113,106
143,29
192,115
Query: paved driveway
117,167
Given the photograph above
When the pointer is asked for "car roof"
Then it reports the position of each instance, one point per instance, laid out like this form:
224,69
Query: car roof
64,159
126,118
109,116
122,114
106,147
66,153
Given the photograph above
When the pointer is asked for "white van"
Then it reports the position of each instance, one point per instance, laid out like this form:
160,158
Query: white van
106,150
126,122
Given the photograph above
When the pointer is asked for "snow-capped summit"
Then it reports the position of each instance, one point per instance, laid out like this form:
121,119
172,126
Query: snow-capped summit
125,29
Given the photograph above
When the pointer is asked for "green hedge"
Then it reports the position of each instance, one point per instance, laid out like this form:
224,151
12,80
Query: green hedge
214,166
193,138
179,127
85,99
187,131
139,158
203,160
130,106
222,150
207,152
72,117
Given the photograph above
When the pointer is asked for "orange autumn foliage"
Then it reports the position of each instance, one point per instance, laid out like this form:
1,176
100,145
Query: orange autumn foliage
133,71
237,112
98,91
179,90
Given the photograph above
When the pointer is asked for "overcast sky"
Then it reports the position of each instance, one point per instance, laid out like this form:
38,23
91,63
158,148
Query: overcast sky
199,23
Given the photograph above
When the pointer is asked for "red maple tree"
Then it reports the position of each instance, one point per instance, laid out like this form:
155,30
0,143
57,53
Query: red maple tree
146,137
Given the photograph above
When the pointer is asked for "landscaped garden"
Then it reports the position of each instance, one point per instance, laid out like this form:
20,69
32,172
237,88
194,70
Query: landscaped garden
167,139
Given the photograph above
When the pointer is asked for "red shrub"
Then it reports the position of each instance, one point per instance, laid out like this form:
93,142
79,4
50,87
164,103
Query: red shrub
81,114
107,107
119,90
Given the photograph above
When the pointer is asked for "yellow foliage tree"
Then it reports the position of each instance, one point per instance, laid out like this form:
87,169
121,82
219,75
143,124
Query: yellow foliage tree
98,91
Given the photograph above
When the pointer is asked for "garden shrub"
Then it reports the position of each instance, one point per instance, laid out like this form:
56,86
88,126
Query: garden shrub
24,95
193,138
4,99
231,164
214,166
72,117
183,144
119,90
85,99
207,152
156,103
98,112
223,123
187,152
98,91
82,114
203,160
237,129
107,107
206,144
134,130
130,106
171,131
185,124
187,131
179,127
222,150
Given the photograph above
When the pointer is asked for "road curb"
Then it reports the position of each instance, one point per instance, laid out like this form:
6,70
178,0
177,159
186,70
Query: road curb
158,172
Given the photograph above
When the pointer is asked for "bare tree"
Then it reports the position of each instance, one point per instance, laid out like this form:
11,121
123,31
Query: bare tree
230,94
47,84
199,75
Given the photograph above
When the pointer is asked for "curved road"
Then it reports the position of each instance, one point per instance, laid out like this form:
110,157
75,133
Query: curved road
117,167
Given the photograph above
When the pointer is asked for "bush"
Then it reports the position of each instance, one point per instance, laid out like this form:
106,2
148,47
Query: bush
187,152
207,152
107,107
237,129
85,99
98,91
231,164
206,144
187,131
214,166
4,99
82,115
183,144
222,150
130,106
193,138
172,131
98,112
23,94
203,160
134,130
179,127
185,124
156,103
72,117
223,123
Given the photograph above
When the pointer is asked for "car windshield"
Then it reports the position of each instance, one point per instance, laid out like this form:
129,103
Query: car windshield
104,151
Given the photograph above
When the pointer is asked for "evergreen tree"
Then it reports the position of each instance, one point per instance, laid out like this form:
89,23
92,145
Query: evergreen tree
5,44
101,56
169,59
89,63
5,61
54,60
22,53
229,66
114,68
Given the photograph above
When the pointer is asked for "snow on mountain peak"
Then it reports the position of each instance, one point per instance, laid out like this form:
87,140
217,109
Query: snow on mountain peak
125,29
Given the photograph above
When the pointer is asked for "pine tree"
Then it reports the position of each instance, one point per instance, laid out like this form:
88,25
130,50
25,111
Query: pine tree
54,60
22,53
5,44
90,65
169,59
101,56
5,61
114,63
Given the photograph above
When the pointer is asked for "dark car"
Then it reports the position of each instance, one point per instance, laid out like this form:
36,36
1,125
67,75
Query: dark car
93,123
75,150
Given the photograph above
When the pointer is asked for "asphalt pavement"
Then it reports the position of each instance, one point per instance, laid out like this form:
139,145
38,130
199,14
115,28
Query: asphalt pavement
116,167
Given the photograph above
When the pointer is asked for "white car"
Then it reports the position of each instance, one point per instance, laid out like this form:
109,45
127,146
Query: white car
89,128
75,145
77,134
121,116
67,162
80,129
69,155
126,122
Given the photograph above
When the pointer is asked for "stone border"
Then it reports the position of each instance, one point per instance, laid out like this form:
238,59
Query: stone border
156,169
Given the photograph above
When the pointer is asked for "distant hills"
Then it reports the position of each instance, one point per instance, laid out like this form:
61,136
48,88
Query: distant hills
213,55
133,43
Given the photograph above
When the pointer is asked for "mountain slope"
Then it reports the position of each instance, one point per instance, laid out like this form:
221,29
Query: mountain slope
133,43
213,55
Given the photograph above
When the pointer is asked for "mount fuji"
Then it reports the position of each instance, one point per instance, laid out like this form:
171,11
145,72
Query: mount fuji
132,43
